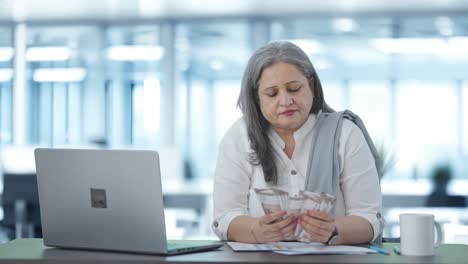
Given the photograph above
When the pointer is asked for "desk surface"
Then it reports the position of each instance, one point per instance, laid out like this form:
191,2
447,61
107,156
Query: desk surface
32,250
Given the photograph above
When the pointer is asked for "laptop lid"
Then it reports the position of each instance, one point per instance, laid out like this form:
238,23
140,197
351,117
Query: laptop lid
102,199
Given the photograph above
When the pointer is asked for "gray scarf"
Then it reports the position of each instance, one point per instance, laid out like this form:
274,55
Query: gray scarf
323,165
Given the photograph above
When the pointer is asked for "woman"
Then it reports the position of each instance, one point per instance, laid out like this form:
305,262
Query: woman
281,98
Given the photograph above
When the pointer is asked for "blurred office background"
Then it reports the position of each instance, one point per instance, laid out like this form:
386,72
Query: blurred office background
165,75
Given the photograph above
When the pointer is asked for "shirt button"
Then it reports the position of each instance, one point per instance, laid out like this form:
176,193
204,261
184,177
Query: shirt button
293,172
215,224
378,215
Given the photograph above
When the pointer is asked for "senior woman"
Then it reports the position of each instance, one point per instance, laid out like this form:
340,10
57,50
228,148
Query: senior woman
281,99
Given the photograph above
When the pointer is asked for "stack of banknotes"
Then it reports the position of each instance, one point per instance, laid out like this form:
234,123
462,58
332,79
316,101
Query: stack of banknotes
274,200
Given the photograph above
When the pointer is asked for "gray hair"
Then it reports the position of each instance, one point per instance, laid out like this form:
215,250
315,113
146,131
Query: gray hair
249,102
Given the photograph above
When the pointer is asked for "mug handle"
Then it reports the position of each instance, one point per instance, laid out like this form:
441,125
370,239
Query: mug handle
439,233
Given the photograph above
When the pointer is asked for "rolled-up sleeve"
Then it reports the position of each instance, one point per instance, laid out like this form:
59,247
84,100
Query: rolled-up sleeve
231,182
359,179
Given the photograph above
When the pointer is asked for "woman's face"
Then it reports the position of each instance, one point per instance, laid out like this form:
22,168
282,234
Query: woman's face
285,97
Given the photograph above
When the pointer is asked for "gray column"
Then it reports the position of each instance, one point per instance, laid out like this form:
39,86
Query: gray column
92,99
168,89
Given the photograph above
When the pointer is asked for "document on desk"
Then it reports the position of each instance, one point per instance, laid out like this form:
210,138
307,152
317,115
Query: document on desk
300,248
237,246
326,250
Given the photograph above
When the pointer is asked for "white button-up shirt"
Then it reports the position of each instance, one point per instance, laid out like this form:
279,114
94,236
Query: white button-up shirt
235,177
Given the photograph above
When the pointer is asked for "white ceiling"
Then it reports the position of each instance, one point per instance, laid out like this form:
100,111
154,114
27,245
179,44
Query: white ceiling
37,10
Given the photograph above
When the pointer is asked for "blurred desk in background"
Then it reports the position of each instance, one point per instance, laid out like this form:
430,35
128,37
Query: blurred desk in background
406,200
191,195
195,196
441,214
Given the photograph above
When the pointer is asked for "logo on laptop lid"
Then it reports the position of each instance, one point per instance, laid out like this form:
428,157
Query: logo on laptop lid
98,198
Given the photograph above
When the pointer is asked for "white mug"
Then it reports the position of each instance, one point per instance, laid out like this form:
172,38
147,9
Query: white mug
417,234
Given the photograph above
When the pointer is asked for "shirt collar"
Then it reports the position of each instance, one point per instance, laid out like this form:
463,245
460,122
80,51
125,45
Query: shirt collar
298,134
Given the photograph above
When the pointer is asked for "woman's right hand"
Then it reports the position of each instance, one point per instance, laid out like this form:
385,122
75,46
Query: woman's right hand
271,228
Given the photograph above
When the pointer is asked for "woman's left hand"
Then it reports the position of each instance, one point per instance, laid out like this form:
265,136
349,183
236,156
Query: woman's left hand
319,225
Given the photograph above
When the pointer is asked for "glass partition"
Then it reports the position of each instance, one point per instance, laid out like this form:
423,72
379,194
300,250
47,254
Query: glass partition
400,74
426,126
134,81
60,74
210,60
175,83
371,101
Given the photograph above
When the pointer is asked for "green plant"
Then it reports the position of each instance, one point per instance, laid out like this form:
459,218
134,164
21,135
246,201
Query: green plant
386,158
442,174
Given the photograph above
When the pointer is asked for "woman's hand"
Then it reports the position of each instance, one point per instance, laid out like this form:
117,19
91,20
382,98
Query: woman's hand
271,228
319,225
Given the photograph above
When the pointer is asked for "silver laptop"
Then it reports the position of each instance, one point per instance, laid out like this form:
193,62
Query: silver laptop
105,200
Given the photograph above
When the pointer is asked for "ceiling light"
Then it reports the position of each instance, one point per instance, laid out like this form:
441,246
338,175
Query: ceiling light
135,53
48,53
345,25
6,75
150,8
410,45
59,75
307,45
6,53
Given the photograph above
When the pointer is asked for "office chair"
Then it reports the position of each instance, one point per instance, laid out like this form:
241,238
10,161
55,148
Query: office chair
20,200
20,203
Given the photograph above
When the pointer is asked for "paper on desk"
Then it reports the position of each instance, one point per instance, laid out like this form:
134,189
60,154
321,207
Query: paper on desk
236,246
325,249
